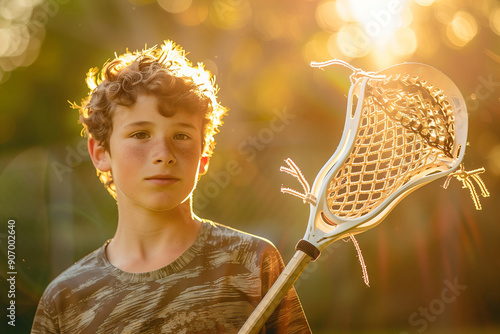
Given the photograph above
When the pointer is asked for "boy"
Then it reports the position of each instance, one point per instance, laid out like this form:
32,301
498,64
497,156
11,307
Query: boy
150,120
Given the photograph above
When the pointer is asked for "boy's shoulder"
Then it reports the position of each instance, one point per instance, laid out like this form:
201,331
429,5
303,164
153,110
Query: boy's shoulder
81,271
229,238
234,246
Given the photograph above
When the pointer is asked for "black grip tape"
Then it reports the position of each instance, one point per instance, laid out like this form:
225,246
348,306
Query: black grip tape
308,248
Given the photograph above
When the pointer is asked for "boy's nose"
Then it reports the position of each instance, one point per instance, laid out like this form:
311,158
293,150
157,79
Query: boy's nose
163,153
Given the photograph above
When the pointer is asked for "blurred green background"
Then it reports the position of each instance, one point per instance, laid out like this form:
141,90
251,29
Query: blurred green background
279,107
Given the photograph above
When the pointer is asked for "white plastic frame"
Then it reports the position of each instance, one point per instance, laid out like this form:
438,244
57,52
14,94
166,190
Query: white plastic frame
319,232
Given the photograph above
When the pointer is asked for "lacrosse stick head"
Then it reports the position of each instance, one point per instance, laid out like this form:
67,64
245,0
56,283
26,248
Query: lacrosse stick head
405,127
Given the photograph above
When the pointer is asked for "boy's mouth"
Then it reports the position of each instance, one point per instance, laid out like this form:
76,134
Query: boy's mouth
162,179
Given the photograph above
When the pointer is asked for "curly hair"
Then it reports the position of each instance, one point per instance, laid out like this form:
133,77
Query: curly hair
164,72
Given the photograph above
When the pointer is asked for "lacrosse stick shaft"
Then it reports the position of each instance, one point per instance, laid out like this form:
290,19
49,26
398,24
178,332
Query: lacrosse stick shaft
274,296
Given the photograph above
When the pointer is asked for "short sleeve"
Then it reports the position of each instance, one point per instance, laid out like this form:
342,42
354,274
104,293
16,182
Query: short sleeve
43,323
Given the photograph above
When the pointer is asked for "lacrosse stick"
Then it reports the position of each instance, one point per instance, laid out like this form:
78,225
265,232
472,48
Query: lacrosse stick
405,127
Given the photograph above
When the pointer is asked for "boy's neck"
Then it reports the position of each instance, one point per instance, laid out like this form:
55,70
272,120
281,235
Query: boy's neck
146,240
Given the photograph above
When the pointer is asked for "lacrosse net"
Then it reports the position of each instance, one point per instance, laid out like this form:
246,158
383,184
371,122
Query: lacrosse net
406,131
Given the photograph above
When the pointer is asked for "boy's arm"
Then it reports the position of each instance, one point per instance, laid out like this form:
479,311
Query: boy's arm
289,316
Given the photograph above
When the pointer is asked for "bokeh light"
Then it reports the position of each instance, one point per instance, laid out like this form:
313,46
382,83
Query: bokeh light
195,15
494,160
327,16
404,43
406,17
363,27
175,6
230,15
317,48
462,29
424,2
22,28
430,42
352,41
444,11
344,11
494,20
269,24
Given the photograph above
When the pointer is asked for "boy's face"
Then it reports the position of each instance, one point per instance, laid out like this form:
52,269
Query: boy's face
154,160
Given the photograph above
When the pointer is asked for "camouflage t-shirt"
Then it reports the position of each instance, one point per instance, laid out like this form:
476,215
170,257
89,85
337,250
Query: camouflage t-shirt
212,288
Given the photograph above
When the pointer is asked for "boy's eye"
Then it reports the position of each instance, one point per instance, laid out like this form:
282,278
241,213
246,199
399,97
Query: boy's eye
181,136
140,135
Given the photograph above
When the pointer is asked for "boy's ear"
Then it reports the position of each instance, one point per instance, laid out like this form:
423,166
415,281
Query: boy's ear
99,155
204,162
